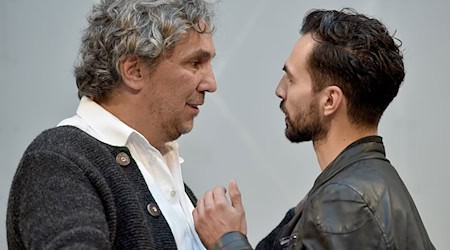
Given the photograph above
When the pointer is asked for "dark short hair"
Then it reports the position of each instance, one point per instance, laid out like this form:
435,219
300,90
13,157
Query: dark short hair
359,55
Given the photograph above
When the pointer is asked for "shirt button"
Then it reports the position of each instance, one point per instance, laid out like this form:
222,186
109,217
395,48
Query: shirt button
153,209
123,159
173,193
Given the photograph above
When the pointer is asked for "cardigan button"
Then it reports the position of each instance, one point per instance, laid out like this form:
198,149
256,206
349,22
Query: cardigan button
153,209
123,159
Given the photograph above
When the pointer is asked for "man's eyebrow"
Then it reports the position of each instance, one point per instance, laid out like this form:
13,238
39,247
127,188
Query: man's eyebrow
202,54
286,69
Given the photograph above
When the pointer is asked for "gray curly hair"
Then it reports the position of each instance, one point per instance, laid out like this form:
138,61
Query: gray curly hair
146,28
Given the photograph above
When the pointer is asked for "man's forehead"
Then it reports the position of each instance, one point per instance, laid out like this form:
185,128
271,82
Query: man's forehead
196,44
302,49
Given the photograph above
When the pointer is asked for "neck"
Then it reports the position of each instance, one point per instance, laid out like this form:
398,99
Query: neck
336,140
128,110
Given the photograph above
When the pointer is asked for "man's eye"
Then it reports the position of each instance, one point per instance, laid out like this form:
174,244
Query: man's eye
195,63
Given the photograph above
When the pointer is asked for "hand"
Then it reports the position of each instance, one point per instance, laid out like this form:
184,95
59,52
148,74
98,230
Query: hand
214,215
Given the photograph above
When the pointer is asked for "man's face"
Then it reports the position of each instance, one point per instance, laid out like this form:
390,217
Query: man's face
304,120
176,87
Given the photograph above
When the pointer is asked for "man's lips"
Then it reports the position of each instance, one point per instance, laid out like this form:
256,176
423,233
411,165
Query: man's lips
194,105
283,107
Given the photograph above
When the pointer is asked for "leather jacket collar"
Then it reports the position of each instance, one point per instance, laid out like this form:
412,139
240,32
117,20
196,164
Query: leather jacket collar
365,148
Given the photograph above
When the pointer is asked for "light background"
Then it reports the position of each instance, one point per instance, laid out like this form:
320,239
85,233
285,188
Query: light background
239,133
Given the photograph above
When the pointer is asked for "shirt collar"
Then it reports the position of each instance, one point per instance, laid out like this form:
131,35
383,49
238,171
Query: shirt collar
107,127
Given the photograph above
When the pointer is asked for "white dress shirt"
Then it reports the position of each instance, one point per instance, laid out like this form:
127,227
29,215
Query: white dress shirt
161,173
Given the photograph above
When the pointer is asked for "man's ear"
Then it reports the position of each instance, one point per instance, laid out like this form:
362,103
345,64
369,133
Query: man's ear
332,100
131,70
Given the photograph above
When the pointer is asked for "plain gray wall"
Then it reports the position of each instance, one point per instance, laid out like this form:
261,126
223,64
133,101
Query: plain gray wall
239,133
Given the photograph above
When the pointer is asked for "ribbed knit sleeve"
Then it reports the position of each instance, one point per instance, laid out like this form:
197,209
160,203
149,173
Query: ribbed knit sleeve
70,192
53,204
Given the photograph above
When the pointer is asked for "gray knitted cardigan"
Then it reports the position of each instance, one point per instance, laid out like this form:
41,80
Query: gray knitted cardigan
69,191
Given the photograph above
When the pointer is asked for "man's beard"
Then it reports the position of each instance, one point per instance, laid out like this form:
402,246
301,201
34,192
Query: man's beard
305,126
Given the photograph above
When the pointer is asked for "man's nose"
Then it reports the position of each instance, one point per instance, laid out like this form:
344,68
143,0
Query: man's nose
208,82
280,91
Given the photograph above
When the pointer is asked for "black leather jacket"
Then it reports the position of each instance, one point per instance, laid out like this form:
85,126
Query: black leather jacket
358,202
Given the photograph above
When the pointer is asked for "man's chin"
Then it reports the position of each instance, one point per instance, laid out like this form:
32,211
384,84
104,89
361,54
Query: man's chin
186,128
296,136
296,139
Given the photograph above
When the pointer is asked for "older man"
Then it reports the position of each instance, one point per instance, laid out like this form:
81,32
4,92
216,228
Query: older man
110,176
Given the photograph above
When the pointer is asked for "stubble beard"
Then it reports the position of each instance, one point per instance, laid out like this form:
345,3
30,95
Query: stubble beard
180,128
305,126
176,127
